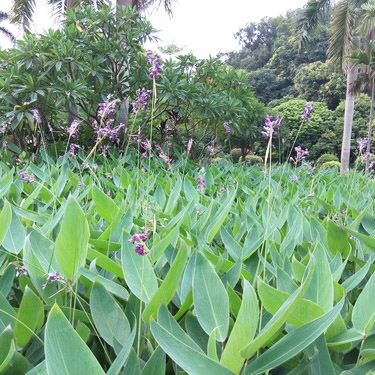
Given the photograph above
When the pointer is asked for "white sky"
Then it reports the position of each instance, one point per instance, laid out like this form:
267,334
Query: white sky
204,27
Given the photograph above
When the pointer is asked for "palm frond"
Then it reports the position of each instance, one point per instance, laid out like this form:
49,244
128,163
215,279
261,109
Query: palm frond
7,33
22,13
368,21
342,31
313,12
166,4
357,3
3,16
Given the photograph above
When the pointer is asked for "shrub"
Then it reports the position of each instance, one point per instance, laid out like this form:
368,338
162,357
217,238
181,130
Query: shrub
253,160
331,164
326,158
235,153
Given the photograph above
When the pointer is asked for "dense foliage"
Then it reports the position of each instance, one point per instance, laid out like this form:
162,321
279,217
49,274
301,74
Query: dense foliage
147,270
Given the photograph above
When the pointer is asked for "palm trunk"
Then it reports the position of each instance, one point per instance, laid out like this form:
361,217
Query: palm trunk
348,118
370,125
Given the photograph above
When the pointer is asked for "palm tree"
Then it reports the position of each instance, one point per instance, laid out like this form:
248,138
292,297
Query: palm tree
3,30
345,18
23,10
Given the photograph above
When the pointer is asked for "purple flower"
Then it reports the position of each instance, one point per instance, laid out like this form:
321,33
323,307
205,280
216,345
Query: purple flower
301,154
26,176
80,184
36,115
211,146
72,149
311,195
139,241
139,249
294,178
307,111
201,183
146,145
141,100
227,127
3,127
21,271
270,125
49,128
108,107
72,130
153,59
85,165
52,277
362,144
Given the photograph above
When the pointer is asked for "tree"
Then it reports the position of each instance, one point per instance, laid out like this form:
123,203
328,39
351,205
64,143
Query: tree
3,30
344,40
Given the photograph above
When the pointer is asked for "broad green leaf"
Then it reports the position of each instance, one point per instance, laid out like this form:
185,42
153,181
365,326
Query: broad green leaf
105,206
211,302
63,344
29,315
173,197
211,347
7,313
366,369
109,285
7,347
337,239
5,220
6,281
15,236
158,249
193,361
71,243
109,318
282,315
363,317
218,220
122,357
156,364
138,271
244,329
231,245
169,286
353,281
293,343
321,363
320,289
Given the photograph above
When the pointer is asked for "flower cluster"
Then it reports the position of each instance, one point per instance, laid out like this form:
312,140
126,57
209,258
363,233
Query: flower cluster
141,100
113,134
211,146
201,183
3,127
26,176
73,129
52,277
270,125
227,128
108,107
164,156
362,144
72,149
153,59
301,154
307,111
21,271
139,241
36,115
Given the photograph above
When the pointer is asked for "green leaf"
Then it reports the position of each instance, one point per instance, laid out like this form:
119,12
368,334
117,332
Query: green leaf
244,329
211,347
193,361
7,347
6,281
169,286
7,313
337,239
138,271
105,206
173,197
218,220
363,317
71,243
351,282
5,220
30,313
293,343
15,237
121,359
320,359
156,364
320,289
63,344
282,315
110,286
158,249
366,369
109,318
211,302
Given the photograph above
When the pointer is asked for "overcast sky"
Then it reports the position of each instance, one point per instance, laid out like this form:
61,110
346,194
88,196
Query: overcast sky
204,27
